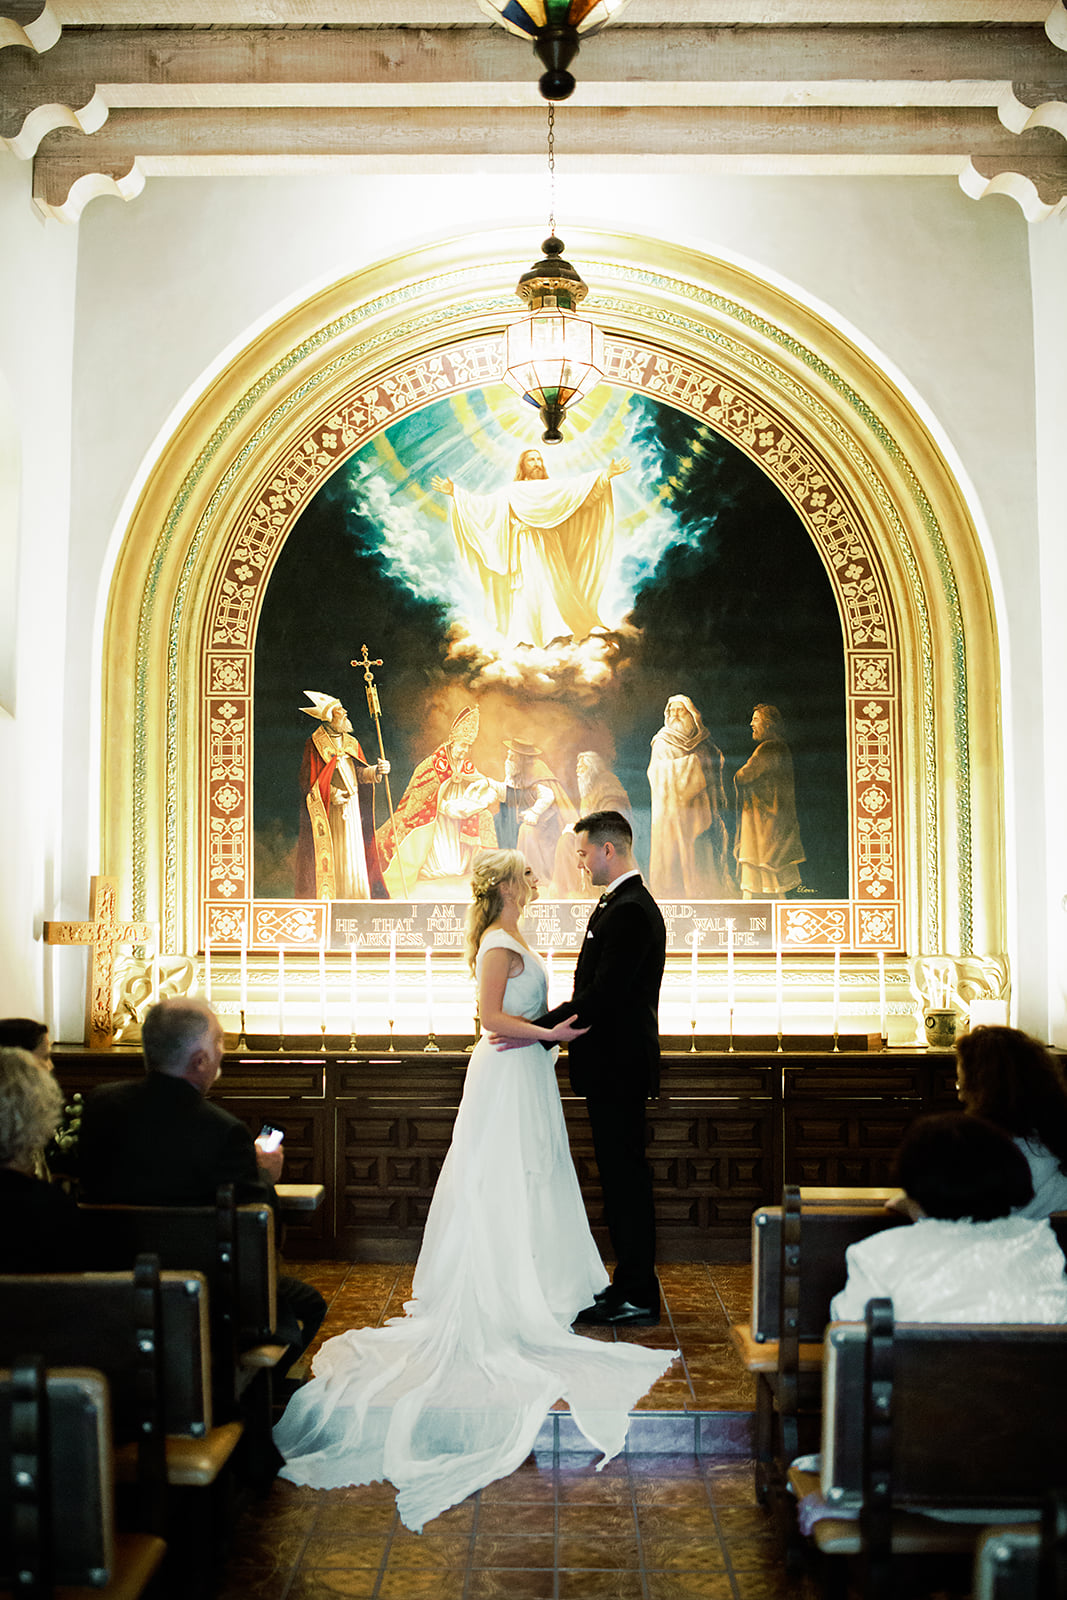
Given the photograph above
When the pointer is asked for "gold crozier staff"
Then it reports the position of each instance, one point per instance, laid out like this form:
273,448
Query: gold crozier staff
375,708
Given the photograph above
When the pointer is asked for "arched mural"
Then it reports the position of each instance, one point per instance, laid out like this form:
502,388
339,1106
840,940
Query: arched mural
784,531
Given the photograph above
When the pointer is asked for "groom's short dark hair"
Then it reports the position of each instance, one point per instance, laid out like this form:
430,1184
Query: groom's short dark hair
604,825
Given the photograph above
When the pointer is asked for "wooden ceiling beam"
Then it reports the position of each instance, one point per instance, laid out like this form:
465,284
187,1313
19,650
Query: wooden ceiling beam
900,55
656,139
87,74
458,13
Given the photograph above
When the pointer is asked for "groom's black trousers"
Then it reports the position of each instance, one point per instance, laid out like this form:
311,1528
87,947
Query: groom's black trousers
619,1136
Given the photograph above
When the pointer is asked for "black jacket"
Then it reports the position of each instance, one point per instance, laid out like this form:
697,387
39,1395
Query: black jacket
616,994
157,1141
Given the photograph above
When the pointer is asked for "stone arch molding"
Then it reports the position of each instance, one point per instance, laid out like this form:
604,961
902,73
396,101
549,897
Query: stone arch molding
818,414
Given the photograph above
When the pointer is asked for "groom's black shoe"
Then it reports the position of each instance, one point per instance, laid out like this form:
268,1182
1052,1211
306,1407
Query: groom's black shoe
610,1313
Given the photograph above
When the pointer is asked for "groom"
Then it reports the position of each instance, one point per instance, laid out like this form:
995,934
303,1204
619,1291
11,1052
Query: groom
616,1064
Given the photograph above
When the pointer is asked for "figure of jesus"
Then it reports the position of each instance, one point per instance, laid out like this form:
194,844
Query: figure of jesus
540,548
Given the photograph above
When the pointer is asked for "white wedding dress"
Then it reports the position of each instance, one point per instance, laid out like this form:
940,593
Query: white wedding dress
451,1396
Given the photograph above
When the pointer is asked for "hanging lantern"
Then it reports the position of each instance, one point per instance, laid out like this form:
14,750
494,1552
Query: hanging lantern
553,358
555,28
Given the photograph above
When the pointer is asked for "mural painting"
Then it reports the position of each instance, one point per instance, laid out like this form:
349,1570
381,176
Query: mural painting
637,619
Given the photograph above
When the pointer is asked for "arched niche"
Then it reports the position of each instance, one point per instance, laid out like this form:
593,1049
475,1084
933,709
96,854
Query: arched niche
817,414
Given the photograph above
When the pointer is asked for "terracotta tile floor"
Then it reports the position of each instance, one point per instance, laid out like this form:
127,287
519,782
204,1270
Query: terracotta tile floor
653,1525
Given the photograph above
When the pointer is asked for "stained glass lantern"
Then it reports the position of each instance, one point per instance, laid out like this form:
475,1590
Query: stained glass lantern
553,358
555,28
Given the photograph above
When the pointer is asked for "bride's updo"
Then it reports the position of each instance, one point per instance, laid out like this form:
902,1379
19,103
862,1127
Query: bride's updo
489,869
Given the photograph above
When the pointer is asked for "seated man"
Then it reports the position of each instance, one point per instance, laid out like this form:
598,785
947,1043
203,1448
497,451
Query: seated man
158,1141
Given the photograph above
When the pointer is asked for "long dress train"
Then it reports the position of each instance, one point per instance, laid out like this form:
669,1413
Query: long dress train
451,1396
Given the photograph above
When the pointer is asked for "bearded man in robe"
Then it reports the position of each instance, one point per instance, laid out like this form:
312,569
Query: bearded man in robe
541,549
690,844
335,854
768,847
443,817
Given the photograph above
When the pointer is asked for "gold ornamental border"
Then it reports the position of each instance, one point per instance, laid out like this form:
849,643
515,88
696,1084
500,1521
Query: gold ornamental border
817,414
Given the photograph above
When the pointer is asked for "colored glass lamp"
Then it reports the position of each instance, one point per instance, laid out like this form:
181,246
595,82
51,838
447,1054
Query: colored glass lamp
555,28
553,358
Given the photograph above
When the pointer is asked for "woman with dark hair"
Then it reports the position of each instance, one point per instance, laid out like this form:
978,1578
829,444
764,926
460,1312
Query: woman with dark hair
22,1033
1011,1080
968,1258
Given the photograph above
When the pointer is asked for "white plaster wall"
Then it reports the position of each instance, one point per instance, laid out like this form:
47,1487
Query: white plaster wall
1048,249
37,278
938,283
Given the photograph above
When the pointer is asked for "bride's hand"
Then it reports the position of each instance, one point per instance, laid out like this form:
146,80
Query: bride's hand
564,1032
506,1041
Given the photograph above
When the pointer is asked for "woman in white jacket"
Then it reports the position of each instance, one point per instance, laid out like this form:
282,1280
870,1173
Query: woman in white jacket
971,1256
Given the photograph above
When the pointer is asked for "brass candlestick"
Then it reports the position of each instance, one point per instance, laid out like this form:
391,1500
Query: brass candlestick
242,1040
730,1046
431,1047
392,1046
322,1046
693,1034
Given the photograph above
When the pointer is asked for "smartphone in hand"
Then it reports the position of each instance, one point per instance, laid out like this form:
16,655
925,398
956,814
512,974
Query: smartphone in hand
270,1138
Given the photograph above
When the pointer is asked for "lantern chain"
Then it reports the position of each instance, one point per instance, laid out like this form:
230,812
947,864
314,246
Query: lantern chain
551,168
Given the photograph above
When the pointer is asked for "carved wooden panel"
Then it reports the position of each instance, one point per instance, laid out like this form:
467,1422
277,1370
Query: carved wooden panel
723,1136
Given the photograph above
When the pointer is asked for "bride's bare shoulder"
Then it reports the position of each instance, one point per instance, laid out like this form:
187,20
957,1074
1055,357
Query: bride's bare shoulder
499,939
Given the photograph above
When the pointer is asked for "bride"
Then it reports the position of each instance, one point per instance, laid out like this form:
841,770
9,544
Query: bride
451,1396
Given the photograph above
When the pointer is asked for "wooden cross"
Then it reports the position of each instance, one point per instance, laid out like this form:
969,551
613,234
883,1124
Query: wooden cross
104,934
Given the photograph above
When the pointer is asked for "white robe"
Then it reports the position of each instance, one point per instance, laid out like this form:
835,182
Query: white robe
540,549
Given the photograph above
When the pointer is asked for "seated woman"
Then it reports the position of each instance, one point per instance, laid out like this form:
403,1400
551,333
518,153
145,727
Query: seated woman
968,1258
40,1226
1011,1080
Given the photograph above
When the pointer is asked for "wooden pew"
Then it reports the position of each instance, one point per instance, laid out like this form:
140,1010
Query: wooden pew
920,1417
798,1265
148,1333
233,1248
57,1514
1025,1561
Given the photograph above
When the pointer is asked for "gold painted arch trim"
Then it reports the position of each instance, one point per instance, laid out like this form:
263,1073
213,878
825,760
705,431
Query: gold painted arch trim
816,413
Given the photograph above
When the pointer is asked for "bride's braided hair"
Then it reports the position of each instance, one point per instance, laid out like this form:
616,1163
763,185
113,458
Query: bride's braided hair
489,869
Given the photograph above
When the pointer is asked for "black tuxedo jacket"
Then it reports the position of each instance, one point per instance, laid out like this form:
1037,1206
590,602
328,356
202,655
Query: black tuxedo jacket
616,995
158,1142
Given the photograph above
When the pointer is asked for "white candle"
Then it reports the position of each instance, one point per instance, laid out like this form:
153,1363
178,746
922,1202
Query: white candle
155,974
429,990
778,992
693,976
837,989
244,969
207,970
322,983
392,974
281,991
548,979
730,964
352,990
881,994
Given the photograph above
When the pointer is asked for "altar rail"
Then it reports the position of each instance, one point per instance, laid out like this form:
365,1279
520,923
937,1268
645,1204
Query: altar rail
725,1134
